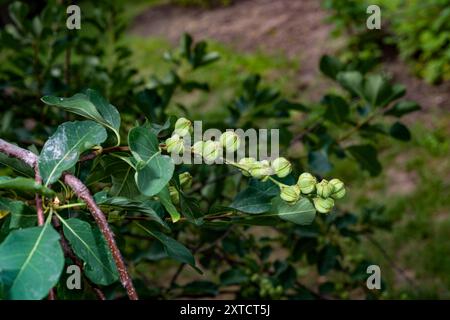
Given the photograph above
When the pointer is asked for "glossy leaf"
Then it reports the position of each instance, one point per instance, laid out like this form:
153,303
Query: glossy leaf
302,212
63,148
91,106
156,174
89,245
252,200
143,143
33,260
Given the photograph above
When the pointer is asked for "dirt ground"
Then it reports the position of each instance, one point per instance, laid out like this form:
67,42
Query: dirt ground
293,27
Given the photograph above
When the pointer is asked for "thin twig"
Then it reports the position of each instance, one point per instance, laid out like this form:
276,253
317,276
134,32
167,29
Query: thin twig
83,193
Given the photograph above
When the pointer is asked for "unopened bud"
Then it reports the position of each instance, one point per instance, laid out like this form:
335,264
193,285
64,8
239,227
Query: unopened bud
230,141
183,127
246,164
290,194
281,167
307,182
338,189
198,147
211,150
175,144
261,170
324,189
174,195
323,205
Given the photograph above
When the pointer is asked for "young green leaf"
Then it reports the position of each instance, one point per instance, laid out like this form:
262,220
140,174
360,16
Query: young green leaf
89,245
91,106
62,150
33,259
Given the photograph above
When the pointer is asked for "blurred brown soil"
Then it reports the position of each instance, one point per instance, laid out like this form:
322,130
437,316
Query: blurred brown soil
296,28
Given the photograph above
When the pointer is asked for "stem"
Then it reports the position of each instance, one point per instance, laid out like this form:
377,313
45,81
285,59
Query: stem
71,205
83,193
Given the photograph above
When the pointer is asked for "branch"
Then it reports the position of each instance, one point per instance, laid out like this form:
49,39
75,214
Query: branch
83,193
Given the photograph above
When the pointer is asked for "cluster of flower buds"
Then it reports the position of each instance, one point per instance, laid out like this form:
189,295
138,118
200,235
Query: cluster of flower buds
325,191
211,150
250,167
175,143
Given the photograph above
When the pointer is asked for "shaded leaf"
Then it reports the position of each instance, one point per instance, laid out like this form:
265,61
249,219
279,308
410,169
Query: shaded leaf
302,212
366,155
403,107
399,131
25,185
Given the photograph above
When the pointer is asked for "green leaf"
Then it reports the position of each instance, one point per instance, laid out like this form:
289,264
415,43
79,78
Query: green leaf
143,143
252,200
352,81
62,150
403,107
33,260
164,197
399,131
233,276
122,177
90,246
21,215
17,165
318,161
337,108
132,206
327,259
366,155
92,106
330,66
377,90
25,185
173,248
302,212
152,178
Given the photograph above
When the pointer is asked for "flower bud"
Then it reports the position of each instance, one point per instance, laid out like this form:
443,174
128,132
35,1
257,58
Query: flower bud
261,170
198,147
230,141
324,189
307,182
211,150
174,195
185,180
290,194
281,167
338,189
323,205
183,127
175,144
246,164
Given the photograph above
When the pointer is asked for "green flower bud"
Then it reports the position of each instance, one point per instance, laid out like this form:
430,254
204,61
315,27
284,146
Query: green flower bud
211,150
175,144
174,195
198,147
324,189
339,189
230,141
323,205
261,170
307,182
185,180
183,127
281,167
247,163
290,194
